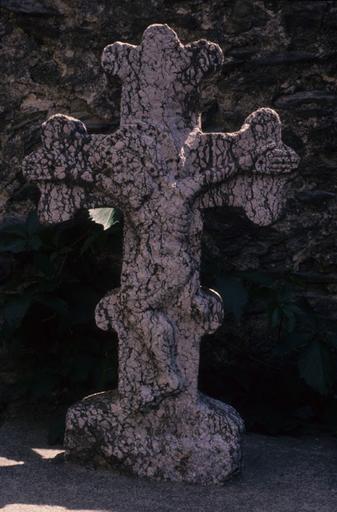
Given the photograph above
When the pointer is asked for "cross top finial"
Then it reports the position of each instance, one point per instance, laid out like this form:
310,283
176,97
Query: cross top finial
159,75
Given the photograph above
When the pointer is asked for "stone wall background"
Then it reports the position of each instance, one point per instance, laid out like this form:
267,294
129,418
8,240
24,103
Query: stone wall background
279,54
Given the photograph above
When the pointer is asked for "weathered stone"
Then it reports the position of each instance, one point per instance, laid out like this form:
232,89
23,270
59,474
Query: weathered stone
161,170
300,99
315,196
35,7
286,57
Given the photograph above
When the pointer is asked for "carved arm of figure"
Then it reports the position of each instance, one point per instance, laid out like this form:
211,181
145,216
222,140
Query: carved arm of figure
257,174
63,169
75,170
248,168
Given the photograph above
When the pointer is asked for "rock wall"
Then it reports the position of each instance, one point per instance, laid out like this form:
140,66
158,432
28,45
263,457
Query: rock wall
279,54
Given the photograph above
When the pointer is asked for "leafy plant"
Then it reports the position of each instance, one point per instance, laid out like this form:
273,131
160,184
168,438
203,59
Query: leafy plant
296,383
47,307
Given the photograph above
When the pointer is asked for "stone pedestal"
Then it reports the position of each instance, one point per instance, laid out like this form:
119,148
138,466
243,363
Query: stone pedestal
178,440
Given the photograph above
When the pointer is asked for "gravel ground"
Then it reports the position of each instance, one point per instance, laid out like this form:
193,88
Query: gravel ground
280,475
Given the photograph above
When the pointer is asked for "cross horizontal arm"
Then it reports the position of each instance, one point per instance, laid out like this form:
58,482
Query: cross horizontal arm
248,168
65,169
256,148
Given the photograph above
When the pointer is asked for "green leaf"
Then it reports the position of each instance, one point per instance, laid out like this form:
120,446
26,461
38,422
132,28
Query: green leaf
259,278
90,241
32,224
17,229
15,309
107,217
20,237
332,340
275,317
293,342
43,264
233,293
316,368
42,385
12,243
289,313
54,303
34,243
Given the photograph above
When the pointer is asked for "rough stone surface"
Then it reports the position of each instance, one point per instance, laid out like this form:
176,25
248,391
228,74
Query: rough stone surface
279,475
160,169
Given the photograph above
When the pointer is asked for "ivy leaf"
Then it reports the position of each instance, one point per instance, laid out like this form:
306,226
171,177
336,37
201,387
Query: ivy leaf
233,293
316,367
107,217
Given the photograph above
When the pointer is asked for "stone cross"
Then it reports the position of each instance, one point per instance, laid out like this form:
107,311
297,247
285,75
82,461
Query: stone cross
161,170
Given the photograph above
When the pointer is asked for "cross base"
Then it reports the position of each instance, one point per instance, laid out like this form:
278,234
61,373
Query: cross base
179,440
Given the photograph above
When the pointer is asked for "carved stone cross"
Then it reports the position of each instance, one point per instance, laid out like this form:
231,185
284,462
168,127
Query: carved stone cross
161,170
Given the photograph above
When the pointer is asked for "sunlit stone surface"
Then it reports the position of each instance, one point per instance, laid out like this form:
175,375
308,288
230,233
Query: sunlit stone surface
161,170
